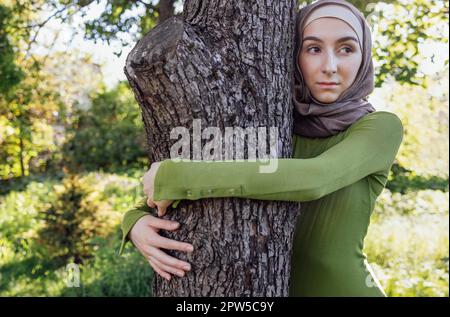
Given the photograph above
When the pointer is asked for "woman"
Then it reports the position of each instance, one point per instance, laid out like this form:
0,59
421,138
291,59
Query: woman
343,152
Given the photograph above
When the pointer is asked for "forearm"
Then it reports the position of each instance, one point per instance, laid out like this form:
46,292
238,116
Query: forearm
369,148
293,180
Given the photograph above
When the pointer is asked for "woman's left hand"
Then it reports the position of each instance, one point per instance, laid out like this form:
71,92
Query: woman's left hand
149,186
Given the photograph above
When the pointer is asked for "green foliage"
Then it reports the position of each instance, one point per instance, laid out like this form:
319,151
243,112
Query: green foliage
409,257
10,73
121,20
109,136
19,210
110,275
424,114
408,243
402,180
106,274
29,267
28,114
400,31
31,111
75,218
418,203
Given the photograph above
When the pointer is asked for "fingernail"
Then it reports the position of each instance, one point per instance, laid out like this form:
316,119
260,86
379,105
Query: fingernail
190,248
176,225
187,267
180,274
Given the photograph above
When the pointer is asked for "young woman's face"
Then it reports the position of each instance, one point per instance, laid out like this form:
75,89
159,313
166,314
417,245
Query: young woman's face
330,58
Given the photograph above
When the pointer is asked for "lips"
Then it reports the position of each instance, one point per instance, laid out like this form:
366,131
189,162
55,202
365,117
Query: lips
328,84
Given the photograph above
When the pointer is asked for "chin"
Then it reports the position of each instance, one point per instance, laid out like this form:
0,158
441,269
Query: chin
327,98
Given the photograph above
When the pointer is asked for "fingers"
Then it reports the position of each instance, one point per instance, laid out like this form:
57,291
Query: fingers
150,203
158,269
169,244
163,224
167,268
162,210
168,260
162,206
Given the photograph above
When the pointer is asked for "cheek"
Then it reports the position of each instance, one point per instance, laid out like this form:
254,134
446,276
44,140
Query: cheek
308,66
351,68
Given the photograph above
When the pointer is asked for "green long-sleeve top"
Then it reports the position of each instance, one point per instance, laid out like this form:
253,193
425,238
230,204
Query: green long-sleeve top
338,180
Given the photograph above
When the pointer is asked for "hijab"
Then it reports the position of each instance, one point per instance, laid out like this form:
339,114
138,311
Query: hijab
312,118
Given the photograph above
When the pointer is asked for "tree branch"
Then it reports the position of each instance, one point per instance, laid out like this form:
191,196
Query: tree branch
165,9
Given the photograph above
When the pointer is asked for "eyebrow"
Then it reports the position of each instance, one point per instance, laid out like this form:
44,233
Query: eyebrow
343,39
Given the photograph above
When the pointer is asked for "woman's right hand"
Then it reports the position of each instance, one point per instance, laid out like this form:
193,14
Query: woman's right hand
145,237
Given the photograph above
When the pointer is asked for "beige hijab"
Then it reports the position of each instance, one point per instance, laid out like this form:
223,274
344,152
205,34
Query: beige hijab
312,118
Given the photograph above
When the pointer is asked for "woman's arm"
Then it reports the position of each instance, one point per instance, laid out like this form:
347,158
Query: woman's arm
139,226
129,220
370,146
131,217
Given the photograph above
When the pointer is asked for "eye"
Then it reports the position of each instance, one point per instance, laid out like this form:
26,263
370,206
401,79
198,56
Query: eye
346,49
313,49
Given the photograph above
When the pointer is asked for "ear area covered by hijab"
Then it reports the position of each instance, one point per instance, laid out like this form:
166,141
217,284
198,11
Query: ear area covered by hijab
312,118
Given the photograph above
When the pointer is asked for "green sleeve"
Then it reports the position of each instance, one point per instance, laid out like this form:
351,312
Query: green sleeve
130,218
369,146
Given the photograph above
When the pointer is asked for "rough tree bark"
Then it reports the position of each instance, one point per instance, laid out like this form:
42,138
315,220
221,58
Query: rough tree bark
228,63
165,9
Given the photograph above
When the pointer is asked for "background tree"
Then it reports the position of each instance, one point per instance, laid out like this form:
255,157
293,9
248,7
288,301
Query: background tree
32,113
10,73
38,92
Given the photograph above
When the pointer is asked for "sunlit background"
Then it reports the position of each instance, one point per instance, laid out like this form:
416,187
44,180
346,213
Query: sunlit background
65,181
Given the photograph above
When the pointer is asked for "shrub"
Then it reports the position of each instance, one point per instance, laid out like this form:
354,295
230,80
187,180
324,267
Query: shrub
75,218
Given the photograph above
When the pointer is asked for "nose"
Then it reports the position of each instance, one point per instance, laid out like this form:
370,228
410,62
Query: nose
330,64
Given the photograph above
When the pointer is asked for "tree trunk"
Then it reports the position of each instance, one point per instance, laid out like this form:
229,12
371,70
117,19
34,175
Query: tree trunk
21,151
229,64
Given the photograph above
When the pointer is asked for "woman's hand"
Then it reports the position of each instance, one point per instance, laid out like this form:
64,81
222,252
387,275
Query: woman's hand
145,237
149,186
